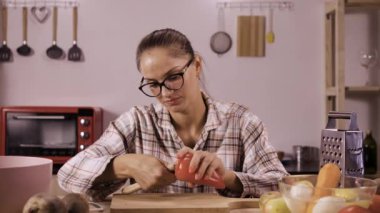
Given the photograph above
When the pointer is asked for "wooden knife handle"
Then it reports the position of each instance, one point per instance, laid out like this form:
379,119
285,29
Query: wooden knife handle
131,188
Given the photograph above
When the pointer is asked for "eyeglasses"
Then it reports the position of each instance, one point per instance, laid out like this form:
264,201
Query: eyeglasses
171,82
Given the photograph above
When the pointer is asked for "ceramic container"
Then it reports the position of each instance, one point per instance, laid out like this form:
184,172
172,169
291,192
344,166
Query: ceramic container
22,177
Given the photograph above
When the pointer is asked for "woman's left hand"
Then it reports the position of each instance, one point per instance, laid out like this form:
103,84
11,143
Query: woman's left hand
203,164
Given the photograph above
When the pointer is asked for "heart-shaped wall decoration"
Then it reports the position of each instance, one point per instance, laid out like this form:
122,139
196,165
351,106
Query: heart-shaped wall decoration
41,13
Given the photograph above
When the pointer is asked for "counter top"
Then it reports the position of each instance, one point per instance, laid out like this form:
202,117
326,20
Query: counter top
312,168
106,205
295,168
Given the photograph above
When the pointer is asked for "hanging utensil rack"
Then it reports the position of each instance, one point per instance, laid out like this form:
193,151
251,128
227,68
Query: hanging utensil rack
280,5
40,3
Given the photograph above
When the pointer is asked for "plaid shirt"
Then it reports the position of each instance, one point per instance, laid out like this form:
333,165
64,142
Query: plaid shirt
236,135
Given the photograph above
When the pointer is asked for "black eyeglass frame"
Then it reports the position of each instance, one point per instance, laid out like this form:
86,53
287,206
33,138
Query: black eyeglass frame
183,71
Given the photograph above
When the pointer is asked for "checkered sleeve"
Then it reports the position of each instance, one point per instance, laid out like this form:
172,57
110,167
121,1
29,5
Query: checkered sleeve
261,167
78,174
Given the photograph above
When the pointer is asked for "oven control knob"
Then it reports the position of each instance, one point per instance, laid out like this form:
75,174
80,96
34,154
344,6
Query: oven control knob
84,135
81,147
84,121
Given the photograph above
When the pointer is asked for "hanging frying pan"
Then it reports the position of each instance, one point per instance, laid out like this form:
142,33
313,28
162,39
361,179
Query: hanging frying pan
220,41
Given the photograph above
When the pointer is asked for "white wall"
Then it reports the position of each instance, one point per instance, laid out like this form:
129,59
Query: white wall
285,88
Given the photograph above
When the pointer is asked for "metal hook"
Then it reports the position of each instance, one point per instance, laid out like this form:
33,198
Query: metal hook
25,4
283,5
14,4
290,5
271,6
261,6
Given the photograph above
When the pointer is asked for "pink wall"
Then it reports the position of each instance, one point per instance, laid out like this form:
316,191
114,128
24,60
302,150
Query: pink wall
285,88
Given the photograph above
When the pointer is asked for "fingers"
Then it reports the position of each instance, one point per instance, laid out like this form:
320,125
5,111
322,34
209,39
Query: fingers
169,166
181,153
156,178
154,173
212,170
206,165
199,164
191,185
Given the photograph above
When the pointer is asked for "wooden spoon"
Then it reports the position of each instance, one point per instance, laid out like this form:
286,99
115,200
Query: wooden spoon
75,53
54,51
270,34
24,49
5,52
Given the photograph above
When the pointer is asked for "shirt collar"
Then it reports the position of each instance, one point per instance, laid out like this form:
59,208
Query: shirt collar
213,116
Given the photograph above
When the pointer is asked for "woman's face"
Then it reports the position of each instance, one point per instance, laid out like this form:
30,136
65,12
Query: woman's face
157,64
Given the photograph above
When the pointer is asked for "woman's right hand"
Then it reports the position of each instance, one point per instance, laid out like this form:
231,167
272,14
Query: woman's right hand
148,171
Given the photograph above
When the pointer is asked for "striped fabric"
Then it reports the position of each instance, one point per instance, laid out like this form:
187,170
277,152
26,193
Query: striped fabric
236,135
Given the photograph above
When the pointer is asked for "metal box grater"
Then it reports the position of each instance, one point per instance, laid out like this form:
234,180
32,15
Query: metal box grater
342,147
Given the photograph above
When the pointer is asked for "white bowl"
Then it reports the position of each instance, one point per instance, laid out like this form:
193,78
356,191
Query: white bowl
22,177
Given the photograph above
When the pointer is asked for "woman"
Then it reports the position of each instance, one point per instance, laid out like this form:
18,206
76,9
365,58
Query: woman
142,144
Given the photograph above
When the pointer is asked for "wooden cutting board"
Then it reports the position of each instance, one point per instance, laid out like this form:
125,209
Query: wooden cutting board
251,36
182,203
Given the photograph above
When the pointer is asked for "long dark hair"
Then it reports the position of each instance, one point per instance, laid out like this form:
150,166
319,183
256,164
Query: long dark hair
175,41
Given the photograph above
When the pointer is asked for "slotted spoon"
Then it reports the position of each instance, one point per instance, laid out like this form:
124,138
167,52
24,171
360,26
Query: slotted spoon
5,52
55,52
75,53
24,49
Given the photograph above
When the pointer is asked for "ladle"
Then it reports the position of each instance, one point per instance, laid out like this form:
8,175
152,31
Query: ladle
24,49
54,51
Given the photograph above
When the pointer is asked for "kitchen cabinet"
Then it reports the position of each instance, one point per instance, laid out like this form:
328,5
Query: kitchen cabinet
336,91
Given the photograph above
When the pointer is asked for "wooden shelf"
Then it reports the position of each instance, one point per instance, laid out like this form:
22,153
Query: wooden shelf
362,89
366,4
330,7
336,92
331,91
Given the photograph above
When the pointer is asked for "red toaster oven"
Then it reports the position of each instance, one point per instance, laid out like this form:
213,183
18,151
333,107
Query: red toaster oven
57,133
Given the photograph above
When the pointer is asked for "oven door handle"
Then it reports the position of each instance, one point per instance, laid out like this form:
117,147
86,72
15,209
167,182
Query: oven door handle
39,117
